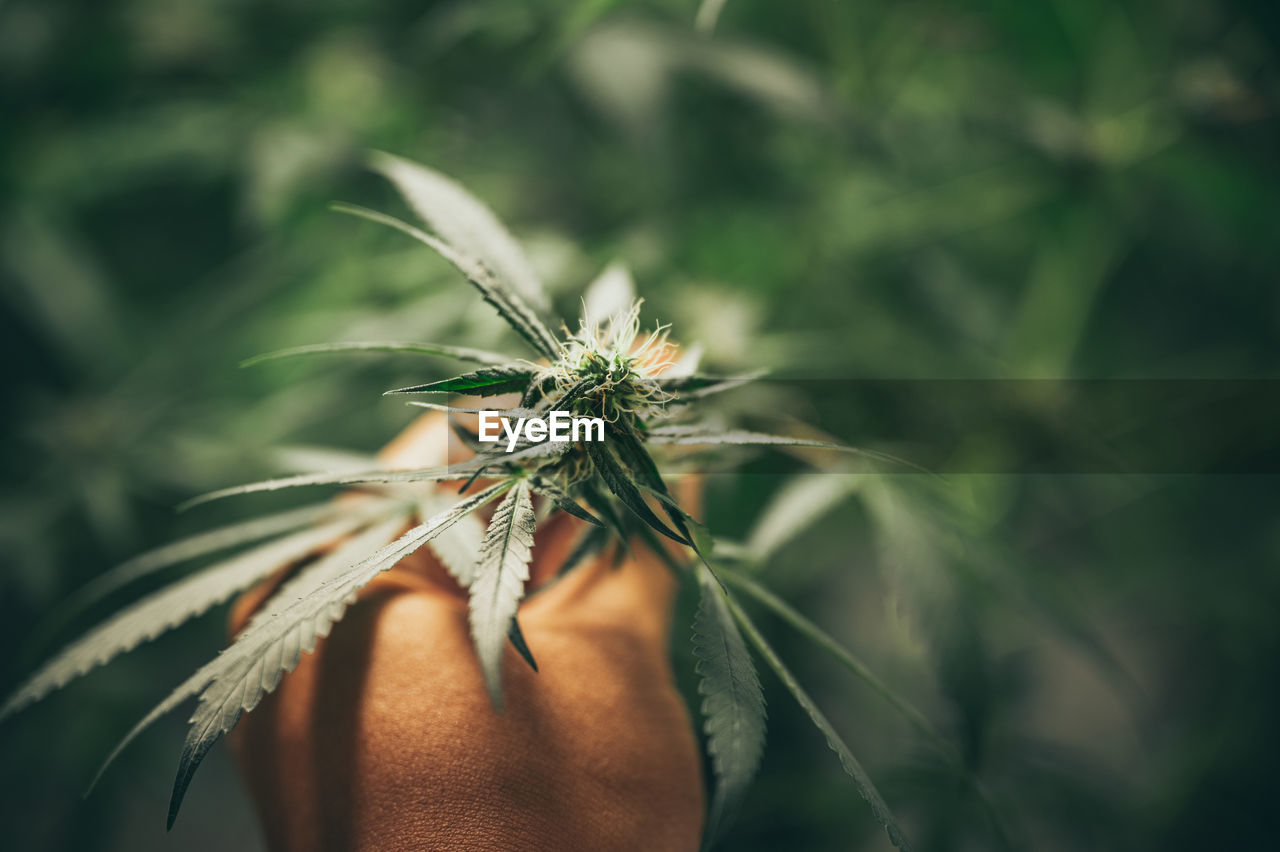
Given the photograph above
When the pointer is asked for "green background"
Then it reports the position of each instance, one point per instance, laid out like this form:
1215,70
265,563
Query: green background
897,190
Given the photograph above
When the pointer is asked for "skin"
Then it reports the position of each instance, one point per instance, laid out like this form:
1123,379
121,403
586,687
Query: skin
384,738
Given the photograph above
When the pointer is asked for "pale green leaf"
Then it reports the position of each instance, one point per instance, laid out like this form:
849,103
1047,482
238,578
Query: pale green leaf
184,550
276,637
460,353
464,222
222,702
501,571
173,605
505,301
611,293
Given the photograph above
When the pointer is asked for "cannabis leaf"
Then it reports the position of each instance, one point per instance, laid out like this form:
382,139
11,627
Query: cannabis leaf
460,353
221,705
507,303
485,382
184,550
619,482
463,221
173,605
866,788
500,574
732,703
273,642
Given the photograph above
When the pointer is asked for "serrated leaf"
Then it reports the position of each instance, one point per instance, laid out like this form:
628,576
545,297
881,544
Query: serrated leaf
696,435
184,550
732,700
694,387
505,301
457,546
501,571
460,353
704,436
861,780
221,704
485,382
272,643
546,488
618,481
464,222
364,477
171,606
612,292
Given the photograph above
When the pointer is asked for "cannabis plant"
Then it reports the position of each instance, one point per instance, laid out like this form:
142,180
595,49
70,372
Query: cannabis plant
644,394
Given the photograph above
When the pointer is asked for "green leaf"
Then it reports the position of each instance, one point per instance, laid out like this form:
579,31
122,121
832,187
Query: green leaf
501,572
221,703
861,780
171,606
619,482
690,388
516,635
795,507
703,435
464,222
275,638
508,305
184,550
732,703
363,477
562,499
490,381
638,460
460,353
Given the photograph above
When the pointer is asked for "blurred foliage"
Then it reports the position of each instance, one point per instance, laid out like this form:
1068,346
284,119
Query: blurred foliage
849,189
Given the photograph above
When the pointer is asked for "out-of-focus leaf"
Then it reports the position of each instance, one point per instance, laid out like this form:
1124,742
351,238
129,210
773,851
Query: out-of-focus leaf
171,606
866,788
611,293
461,353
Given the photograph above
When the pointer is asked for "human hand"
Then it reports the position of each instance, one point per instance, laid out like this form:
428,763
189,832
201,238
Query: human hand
384,737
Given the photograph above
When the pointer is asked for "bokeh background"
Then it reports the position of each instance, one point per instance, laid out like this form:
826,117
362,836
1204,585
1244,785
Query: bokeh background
839,189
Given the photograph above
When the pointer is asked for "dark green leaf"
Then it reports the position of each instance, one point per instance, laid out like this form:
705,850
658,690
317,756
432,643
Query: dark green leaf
732,701
490,381
619,482
861,780
543,486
